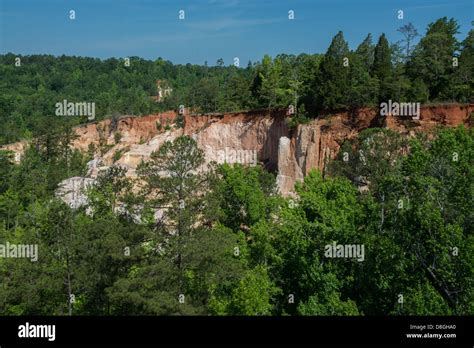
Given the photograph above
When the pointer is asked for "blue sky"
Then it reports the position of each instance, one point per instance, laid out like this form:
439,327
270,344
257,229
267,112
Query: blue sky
212,29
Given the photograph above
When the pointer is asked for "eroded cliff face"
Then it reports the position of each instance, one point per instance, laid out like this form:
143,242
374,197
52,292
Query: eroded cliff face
239,137
249,137
312,145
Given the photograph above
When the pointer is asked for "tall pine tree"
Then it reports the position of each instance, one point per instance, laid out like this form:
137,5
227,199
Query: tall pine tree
366,52
464,74
433,57
382,68
332,80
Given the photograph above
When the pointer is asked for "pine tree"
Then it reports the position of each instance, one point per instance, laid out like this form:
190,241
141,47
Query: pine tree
382,68
409,33
366,52
331,83
273,91
363,88
464,73
433,57
187,256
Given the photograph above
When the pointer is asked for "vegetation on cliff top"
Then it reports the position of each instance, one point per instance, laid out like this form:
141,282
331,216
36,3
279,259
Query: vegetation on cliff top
225,242
438,68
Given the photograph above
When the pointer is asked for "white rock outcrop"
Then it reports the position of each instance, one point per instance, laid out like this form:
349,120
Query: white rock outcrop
72,191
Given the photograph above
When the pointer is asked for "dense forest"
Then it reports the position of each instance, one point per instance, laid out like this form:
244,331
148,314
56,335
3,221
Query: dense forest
228,243
437,68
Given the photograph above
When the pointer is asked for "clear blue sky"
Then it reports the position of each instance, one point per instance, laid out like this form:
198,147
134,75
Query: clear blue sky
211,29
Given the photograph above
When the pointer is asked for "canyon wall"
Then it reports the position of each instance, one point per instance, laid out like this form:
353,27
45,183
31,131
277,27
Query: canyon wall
245,138
312,145
248,137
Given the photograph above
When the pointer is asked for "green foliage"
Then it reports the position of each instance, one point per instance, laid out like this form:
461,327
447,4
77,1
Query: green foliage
251,296
463,86
366,52
189,256
6,167
331,82
273,87
247,203
382,59
111,189
326,211
228,243
330,305
433,57
117,137
223,237
370,158
382,67
117,155
399,71
363,88
179,121
419,215
245,194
